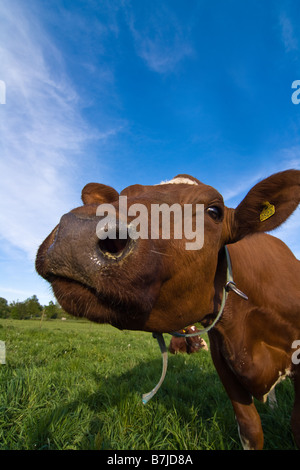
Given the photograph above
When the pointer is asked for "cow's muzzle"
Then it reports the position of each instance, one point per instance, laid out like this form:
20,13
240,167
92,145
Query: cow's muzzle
75,251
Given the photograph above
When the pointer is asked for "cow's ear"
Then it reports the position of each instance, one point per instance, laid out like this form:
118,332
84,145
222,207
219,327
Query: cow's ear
96,193
266,206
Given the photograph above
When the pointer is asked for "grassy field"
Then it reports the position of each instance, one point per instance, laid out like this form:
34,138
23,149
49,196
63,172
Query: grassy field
78,385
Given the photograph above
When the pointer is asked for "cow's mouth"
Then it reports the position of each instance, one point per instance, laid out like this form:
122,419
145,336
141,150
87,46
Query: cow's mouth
81,300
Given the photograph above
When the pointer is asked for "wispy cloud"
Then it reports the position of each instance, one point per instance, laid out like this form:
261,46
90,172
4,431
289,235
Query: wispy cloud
283,159
41,131
161,41
287,33
290,157
234,194
18,292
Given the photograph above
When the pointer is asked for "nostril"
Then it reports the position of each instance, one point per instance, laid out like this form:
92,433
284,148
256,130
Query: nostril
114,247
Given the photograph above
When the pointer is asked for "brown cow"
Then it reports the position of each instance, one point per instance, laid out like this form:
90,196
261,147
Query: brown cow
189,345
158,285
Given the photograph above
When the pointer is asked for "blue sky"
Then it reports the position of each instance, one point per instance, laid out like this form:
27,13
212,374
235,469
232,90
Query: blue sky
124,92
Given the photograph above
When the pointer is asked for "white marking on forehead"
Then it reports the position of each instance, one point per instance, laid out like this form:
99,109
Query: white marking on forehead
179,181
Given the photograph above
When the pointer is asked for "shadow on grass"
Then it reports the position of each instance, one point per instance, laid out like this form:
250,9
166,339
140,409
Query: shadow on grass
188,396
190,409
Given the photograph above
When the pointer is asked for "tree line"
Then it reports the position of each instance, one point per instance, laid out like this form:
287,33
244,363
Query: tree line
30,308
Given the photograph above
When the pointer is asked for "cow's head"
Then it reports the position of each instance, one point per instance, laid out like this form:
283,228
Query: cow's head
151,283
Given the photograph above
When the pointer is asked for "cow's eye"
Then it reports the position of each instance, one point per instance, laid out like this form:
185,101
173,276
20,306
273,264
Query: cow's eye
214,213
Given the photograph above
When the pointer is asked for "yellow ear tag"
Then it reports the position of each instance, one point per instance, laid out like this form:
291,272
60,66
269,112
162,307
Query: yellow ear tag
267,211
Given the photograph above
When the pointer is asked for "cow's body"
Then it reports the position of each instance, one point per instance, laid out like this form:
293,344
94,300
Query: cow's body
251,344
159,286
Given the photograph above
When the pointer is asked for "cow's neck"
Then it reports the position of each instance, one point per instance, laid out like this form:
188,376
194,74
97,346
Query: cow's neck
219,301
228,284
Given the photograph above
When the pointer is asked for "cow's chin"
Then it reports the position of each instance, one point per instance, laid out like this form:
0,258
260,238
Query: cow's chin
80,300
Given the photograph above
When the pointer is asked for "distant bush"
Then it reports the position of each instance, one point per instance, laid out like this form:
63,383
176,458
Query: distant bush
30,308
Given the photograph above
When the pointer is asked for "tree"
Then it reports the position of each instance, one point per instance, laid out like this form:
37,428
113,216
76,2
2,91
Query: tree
33,307
30,308
51,310
4,308
18,310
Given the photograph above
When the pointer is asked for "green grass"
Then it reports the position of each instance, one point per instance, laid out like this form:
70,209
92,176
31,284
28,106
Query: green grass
78,385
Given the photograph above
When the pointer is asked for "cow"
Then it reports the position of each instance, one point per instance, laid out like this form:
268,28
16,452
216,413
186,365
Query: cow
155,284
187,344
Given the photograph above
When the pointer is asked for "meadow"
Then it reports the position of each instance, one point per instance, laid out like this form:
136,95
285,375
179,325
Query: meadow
77,385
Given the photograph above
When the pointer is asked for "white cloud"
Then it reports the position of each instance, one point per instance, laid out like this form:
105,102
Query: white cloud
287,33
41,131
160,41
161,58
234,194
8,290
